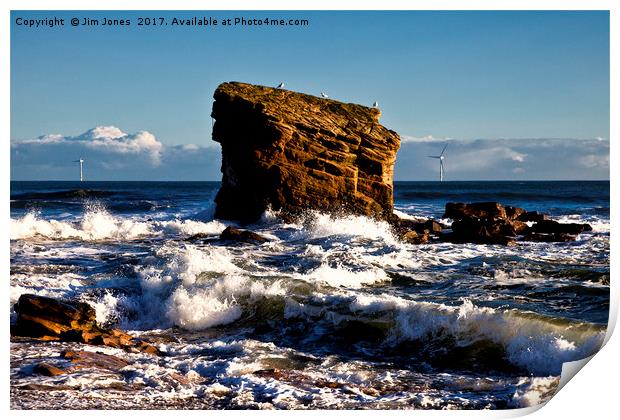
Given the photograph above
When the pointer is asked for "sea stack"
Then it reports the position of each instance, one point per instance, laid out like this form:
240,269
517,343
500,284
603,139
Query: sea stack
292,152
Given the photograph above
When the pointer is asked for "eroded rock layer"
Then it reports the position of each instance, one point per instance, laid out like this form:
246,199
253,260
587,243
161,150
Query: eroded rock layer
291,151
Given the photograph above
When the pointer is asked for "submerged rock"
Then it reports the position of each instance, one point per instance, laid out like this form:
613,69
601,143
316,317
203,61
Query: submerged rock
549,237
48,369
69,320
233,234
89,359
292,152
81,359
551,226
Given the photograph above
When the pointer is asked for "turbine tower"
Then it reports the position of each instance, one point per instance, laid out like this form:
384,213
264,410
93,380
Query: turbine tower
81,168
440,157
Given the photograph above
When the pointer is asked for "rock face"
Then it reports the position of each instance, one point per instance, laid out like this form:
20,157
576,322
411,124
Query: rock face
492,223
53,319
292,152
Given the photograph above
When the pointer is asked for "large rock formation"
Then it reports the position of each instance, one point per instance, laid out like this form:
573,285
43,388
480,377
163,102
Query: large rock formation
292,152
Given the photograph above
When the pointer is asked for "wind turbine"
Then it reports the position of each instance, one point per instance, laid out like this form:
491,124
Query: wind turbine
81,168
440,157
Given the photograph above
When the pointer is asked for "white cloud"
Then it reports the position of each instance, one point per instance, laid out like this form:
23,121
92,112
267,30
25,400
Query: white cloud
190,146
516,156
112,154
476,158
594,161
506,159
101,132
423,139
109,139
142,142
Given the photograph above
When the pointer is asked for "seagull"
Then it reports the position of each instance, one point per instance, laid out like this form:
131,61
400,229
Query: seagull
281,85
375,105
324,95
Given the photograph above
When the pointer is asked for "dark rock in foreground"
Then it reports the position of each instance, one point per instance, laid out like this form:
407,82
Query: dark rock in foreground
492,223
292,152
53,319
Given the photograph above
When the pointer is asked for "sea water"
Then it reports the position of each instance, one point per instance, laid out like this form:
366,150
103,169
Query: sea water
332,312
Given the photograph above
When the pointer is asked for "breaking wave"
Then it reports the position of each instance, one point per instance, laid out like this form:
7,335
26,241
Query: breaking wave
99,224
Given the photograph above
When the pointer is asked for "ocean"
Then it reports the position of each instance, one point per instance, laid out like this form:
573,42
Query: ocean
332,312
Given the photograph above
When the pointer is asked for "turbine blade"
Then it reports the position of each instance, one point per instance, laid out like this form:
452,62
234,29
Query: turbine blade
434,157
444,149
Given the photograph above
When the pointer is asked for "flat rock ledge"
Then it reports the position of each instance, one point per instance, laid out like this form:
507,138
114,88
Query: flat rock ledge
292,152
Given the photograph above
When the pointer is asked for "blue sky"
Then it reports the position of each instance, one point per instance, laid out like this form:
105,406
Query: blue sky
506,87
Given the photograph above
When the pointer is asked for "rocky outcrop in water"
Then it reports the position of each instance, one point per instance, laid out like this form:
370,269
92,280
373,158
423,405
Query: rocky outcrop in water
292,152
65,320
415,231
239,235
492,223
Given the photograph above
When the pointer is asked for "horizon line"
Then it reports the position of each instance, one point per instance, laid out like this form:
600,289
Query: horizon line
396,180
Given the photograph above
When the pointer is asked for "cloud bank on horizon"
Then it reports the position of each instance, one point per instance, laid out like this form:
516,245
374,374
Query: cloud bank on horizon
504,159
113,155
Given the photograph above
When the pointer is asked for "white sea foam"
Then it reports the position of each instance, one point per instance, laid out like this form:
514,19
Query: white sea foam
534,391
598,225
534,343
341,276
321,225
105,308
408,216
200,287
98,224
219,302
200,309
57,286
190,227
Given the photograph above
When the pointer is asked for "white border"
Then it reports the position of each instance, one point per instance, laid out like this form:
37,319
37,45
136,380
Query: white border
592,394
